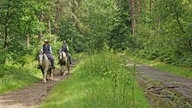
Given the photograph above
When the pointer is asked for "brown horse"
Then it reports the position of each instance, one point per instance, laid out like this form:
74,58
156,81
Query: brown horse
64,63
46,68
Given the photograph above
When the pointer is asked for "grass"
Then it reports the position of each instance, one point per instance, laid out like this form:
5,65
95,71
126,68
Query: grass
13,77
99,81
180,71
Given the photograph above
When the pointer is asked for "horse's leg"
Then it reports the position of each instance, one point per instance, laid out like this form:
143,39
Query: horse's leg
45,75
64,70
51,74
68,67
61,69
42,70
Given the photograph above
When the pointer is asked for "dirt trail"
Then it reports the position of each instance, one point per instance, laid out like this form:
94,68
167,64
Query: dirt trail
30,96
33,95
168,81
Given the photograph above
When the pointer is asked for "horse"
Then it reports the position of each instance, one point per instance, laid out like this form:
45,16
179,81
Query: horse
64,63
45,65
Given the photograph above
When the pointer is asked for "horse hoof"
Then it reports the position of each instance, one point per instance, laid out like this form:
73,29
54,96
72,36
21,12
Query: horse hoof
44,80
64,74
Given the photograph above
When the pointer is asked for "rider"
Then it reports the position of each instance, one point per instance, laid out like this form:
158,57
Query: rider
46,48
65,49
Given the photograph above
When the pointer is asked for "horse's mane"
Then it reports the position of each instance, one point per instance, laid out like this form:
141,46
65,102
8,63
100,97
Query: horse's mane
44,56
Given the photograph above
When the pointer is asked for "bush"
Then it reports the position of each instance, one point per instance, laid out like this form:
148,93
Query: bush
99,81
15,76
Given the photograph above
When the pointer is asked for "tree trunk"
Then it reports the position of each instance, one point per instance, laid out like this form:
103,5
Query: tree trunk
40,32
177,18
6,27
139,10
5,38
28,41
49,25
145,4
132,11
151,3
58,11
75,18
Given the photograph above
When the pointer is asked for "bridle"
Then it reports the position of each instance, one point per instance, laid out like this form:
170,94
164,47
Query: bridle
41,57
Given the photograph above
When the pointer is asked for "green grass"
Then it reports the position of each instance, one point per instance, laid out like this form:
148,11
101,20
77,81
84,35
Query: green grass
13,77
181,71
99,81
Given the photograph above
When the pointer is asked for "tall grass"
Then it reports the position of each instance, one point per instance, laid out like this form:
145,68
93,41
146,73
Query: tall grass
16,76
99,81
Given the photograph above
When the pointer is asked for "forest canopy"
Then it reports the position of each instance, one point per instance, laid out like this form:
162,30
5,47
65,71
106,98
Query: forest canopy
152,29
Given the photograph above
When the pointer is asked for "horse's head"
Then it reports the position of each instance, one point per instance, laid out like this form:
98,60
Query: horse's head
62,55
40,58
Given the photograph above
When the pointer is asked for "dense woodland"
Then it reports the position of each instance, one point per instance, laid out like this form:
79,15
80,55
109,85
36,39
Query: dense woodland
96,31
152,29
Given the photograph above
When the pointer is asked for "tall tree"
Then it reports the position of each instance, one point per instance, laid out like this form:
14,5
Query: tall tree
132,11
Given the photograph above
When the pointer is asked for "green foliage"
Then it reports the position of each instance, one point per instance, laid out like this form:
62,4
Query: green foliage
16,76
2,57
99,25
19,21
101,80
120,37
167,34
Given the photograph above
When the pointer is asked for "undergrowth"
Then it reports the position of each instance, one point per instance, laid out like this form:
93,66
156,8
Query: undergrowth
16,76
98,81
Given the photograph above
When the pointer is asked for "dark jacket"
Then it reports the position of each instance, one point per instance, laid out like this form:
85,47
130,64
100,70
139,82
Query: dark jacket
47,49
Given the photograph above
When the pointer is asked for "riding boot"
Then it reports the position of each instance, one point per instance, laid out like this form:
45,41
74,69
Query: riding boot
52,64
70,60
53,67
52,61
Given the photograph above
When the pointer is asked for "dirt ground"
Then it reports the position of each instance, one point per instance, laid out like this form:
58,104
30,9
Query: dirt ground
169,87
33,95
30,96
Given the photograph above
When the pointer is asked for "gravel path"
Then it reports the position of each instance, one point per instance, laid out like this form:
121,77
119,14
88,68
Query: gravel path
182,85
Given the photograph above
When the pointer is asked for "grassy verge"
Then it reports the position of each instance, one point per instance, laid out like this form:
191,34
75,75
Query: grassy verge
99,81
13,77
181,71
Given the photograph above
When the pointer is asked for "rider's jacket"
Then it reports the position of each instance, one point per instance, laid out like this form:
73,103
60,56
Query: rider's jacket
65,49
47,49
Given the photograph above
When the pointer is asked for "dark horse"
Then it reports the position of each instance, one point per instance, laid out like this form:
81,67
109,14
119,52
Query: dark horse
45,65
64,63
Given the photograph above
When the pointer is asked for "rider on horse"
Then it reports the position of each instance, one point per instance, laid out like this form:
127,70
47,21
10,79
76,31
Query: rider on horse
46,48
65,49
